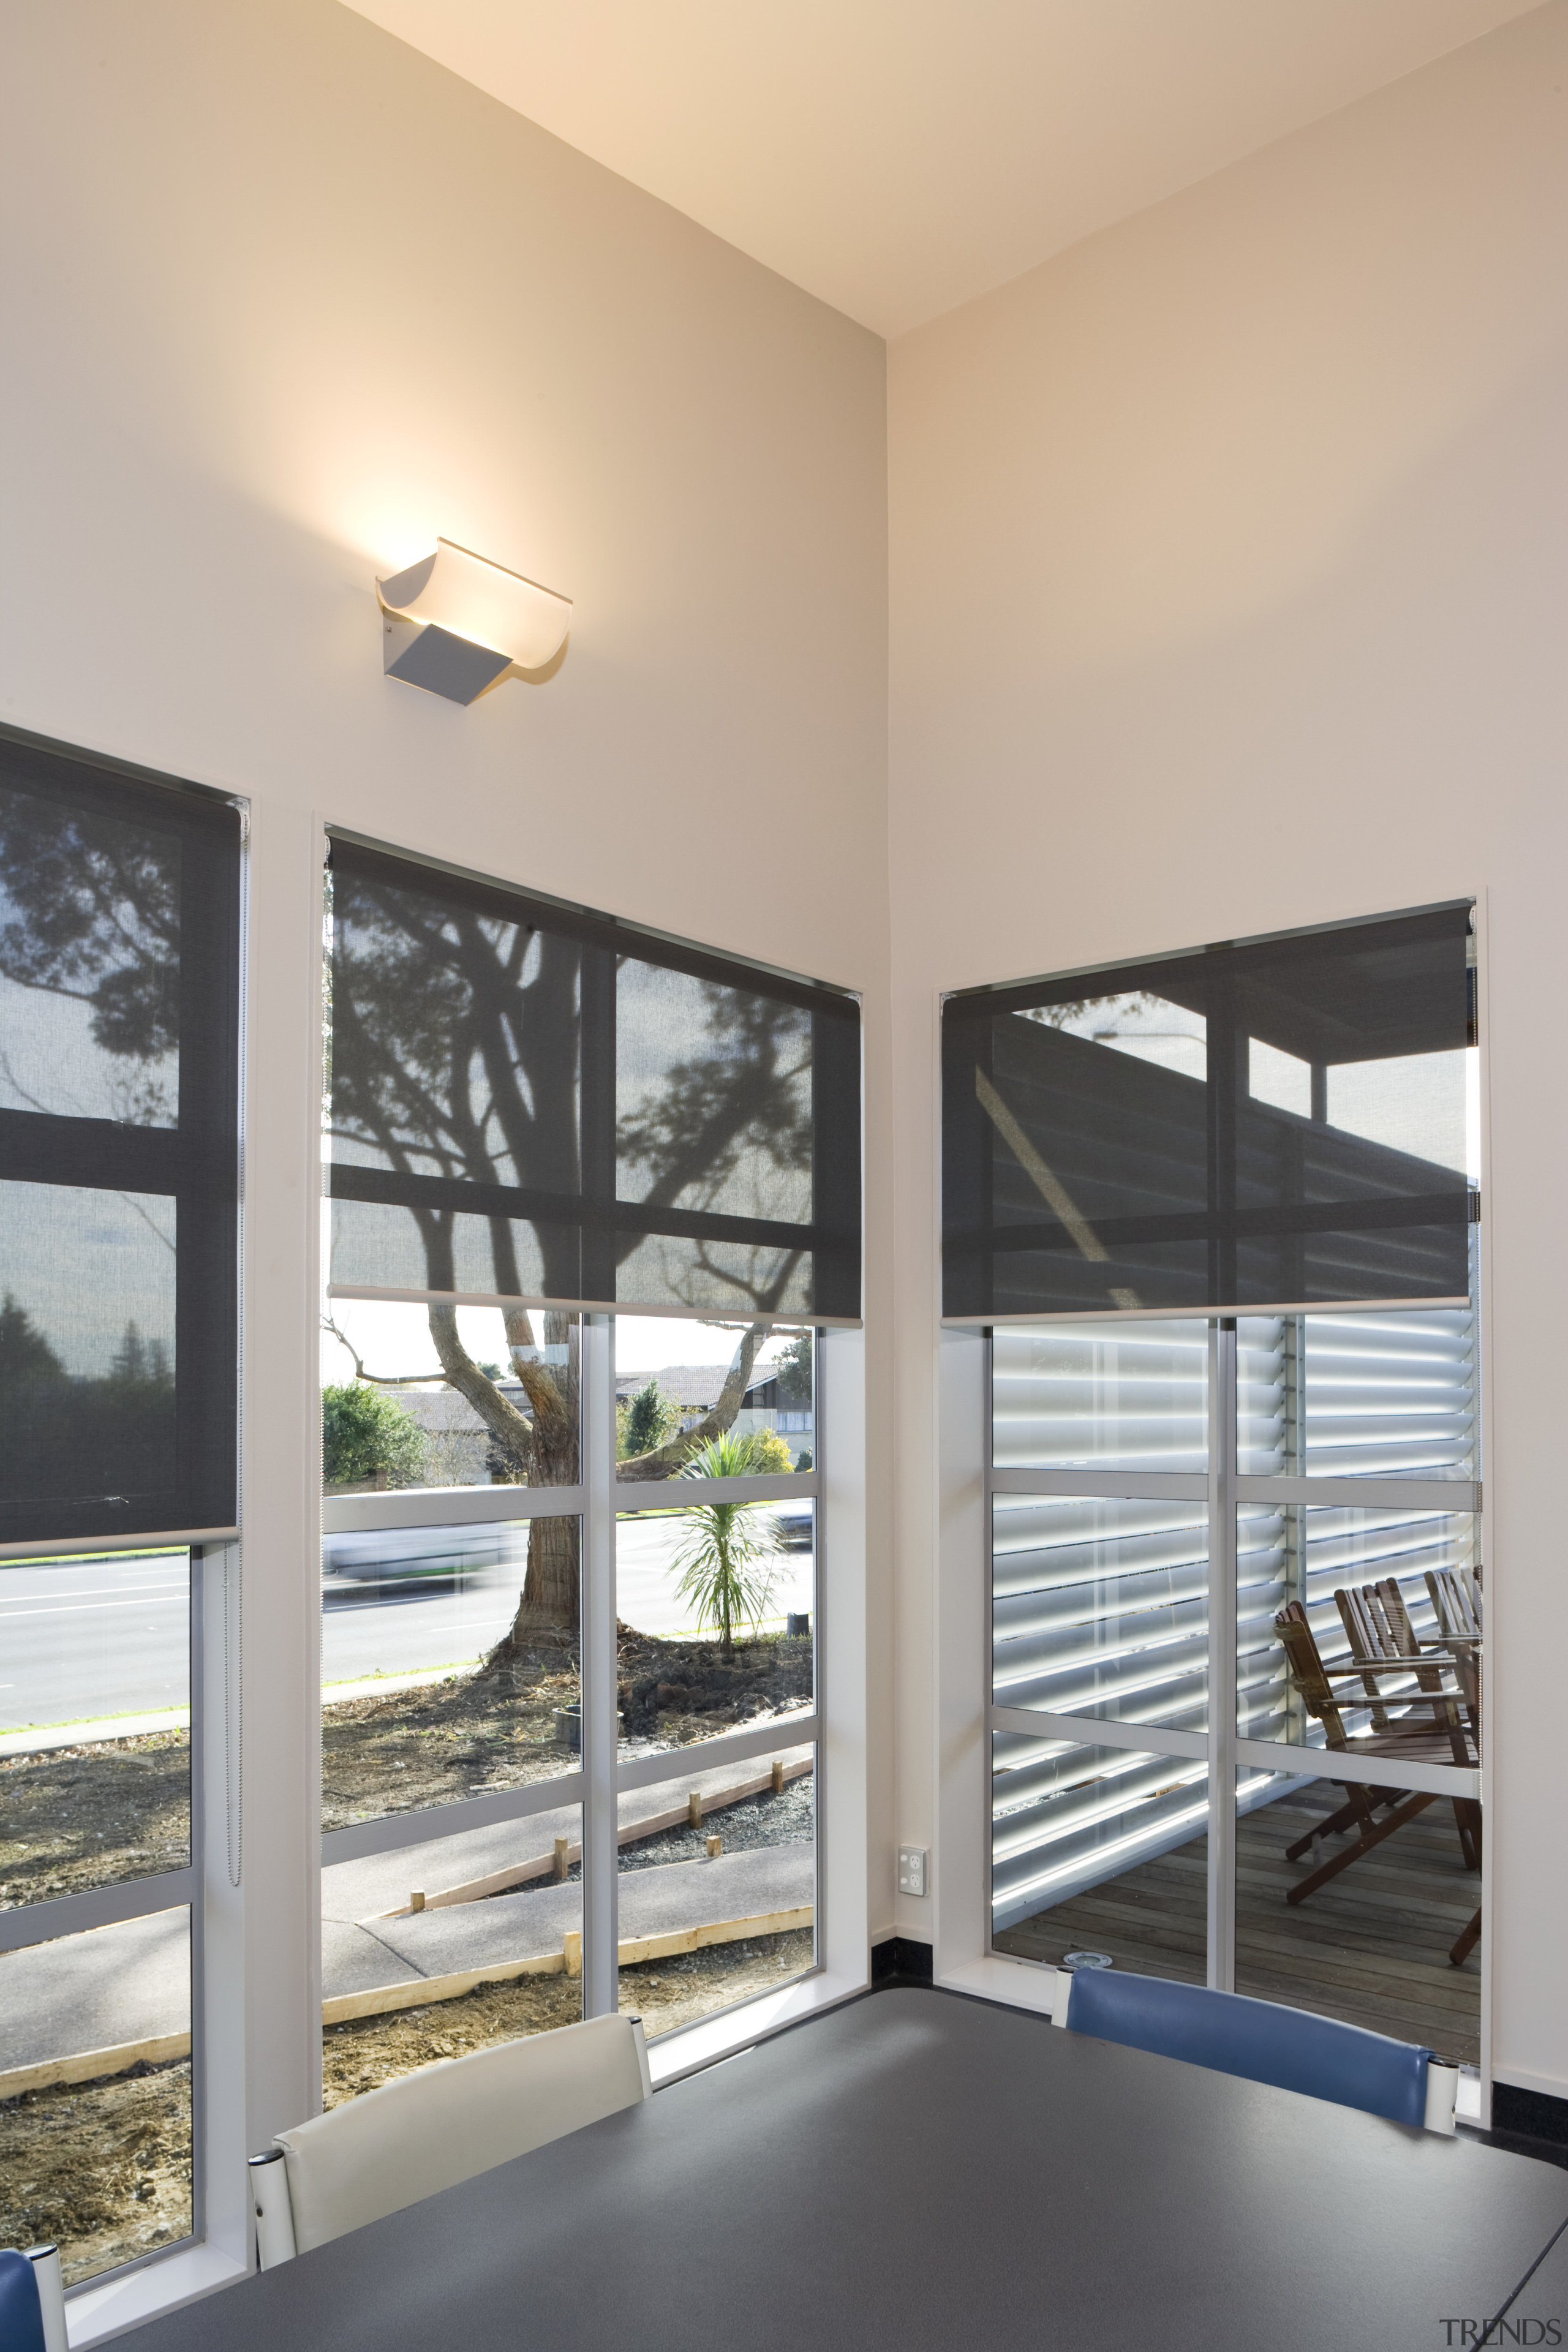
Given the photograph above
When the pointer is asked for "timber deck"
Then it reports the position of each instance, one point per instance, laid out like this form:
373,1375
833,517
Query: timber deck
1370,1947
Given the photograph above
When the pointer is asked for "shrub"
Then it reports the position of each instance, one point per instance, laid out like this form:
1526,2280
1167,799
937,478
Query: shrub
365,1434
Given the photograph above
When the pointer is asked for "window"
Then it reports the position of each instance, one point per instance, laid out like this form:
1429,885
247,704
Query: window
592,1194
119,1045
1236,1574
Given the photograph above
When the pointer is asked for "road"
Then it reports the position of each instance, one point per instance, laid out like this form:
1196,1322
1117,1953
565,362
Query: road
85,1638
81,1639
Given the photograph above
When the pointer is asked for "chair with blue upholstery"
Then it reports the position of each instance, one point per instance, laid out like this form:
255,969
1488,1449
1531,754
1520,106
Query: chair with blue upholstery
32,2300
1263,2041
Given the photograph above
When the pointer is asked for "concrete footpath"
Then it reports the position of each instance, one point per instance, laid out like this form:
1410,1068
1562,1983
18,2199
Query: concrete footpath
129,1983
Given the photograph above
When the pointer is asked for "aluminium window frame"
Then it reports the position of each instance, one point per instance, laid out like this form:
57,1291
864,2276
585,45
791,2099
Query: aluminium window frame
30,1924
964,1958
597,1502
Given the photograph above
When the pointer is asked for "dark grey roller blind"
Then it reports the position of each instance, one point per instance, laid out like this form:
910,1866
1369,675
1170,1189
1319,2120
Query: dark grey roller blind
1275,1123
530,1102
119,1092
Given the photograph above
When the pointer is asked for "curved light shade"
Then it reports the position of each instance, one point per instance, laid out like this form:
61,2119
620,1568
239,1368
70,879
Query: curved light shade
455,623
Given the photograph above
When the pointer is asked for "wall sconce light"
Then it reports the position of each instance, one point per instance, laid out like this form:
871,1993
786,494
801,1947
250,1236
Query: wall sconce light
454,624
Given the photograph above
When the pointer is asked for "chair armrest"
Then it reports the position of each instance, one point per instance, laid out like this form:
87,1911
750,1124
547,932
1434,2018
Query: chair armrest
267,2176
46,2261
1442,2091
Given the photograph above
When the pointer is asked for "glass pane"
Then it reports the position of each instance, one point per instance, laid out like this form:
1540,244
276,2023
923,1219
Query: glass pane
1268,1121
718,1887
713,1399
1100,1396
86,1343
1373,1942
685,1677
1099,1850
402,1933
1371,1585
95,2126
696,1060
576,1103
450,1663
394,1414
1386,1395
1101,1608
89,963
95,1754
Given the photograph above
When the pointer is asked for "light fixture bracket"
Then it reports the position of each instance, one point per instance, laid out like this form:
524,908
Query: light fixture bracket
455,623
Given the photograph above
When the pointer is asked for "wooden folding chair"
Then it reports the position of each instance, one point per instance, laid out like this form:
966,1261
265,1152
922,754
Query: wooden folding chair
1363,1800
1382,1641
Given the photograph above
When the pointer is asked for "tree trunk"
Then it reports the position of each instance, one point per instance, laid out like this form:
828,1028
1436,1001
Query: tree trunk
552,1592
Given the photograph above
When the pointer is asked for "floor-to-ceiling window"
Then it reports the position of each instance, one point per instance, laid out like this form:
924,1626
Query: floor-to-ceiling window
119,903
593,1194
1236,1674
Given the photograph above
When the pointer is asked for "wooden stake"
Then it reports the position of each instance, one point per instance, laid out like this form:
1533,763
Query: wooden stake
715,1847
416,1902
572,1942
560,1865
778,1776
694,1809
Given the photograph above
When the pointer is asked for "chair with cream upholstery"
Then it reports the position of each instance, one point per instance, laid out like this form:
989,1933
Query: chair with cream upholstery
430,2130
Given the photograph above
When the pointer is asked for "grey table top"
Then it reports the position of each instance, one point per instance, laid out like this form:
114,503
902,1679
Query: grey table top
1539,2312
917,2170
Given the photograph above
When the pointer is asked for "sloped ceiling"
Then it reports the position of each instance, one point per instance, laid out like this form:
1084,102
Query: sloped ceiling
897,157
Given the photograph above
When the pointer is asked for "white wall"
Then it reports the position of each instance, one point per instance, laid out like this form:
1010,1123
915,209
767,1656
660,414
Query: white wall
287,300
1227,571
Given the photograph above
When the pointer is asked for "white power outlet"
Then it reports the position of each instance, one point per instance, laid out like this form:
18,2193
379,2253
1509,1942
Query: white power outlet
912,1870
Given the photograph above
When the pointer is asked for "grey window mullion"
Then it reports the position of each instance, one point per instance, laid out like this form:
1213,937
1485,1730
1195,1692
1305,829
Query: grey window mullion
98,1906
1364,1493
1093,1731
395,1831
662,1494
1126,1486
600,1725
1222,1655
417,1506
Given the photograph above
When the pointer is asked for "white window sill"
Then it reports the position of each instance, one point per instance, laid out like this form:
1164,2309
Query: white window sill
673,2055
100,2312
992,1978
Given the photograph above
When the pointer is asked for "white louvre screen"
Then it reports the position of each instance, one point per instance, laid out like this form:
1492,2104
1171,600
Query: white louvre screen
1100,1606
1385,1396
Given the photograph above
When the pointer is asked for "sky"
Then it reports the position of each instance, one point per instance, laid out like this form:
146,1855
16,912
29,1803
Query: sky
394,1337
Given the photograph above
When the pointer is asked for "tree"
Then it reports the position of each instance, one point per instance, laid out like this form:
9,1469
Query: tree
649,1419
726,1556
794,1371
456,1054
27,1358
367,1436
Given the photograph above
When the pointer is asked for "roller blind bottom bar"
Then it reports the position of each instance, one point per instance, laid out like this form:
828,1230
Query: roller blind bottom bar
590,1306
73,1547
1197,1314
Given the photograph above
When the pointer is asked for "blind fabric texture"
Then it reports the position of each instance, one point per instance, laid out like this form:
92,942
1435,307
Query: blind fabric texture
1277,1122
529,1102
119,906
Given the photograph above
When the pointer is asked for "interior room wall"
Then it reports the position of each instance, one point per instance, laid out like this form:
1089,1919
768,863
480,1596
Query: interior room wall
284,301
1227,567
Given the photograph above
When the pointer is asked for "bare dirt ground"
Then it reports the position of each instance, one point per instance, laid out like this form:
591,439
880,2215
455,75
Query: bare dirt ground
499,1729
664,1993
80,1817
102,2168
